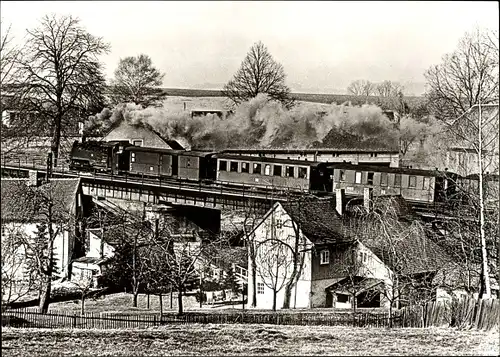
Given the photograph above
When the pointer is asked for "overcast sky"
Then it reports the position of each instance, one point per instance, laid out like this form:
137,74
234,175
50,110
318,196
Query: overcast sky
323,46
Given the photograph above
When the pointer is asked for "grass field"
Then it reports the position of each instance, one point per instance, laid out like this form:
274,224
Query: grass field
237,340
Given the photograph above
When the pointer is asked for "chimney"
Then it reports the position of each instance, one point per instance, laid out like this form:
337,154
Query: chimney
33,178
368,198
340,200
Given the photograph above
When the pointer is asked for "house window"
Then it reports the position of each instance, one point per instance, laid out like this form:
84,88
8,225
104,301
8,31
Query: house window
290,171
151,168
137,142
397,180
383,179
234,166
257,169
324,257
370,178
132,157
363,257
412,182
279,223
358,177
245,167
342,175
222,165
260,288
277,170
267,170
342,298
303,172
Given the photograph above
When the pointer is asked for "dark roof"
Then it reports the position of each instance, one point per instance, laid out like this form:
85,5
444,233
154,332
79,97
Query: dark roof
318,220
343,140
147,149
402,208
361,284
91,260
174,144
23,203
265,159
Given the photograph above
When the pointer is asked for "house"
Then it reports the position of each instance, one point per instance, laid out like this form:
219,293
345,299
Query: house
139,135
25,216
222,114
338,266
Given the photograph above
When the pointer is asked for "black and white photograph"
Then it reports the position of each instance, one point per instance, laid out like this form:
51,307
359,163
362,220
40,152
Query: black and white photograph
250,178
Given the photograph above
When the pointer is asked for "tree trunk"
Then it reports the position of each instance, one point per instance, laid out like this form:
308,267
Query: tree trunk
171,297
56,140
45,294
136,294
179,302
82,309
161,306
275,294
253,265
147,301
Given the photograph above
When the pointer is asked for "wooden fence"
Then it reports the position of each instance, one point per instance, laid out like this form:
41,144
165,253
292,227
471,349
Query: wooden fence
482,314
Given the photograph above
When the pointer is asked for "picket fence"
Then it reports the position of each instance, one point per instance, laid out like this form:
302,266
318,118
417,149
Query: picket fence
482,314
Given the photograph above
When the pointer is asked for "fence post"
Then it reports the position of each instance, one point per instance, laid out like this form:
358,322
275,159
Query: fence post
73,325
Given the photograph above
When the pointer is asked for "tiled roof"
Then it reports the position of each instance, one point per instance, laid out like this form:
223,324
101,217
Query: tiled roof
318,220
342,140
23,203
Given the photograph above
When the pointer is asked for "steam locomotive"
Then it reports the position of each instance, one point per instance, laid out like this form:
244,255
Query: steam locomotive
121,157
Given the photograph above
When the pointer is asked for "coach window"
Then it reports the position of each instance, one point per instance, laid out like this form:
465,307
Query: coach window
358,177
397,180
370,178
303,172
223,165
267,170
132,157
257,169
233,166
412,182
245,167
383,179
342,175
426,183
290,171
277,170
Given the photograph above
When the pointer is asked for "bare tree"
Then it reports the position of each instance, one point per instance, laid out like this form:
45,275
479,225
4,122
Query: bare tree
361,87
16,281
389,89
259,73
60,74
9,56
466,77
400,242
136,80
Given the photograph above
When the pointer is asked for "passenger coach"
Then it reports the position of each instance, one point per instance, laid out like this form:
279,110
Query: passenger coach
424,186
262,171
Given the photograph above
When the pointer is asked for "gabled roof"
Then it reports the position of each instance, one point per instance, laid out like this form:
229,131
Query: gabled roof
172,143
23,203
316,218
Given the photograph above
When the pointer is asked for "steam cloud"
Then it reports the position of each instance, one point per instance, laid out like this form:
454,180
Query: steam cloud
258,123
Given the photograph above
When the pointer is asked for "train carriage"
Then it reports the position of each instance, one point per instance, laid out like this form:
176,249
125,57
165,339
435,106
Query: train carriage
263,172
414,185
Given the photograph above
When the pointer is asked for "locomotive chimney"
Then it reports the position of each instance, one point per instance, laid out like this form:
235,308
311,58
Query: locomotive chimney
368,198
340,200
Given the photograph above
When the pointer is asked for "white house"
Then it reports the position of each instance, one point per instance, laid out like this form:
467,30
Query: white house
25,216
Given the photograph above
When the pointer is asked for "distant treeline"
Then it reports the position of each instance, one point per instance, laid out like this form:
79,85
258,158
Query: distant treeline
383,102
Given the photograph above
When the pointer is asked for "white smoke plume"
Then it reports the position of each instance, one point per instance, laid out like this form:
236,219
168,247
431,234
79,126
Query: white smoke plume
262,123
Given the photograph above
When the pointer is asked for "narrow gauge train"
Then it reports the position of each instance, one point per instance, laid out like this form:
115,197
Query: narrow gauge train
251,171
424,186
